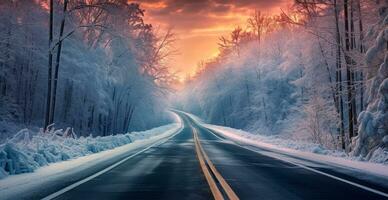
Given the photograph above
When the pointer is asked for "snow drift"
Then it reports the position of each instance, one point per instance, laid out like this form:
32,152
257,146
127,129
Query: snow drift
28,150
304,151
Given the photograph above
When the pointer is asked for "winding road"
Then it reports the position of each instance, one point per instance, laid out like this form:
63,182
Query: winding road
197,163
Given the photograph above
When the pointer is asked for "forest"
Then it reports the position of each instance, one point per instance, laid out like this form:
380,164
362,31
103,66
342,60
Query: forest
314,73
92,65
317,72
194,99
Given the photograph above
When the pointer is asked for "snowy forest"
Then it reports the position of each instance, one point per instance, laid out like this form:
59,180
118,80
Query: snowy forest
94,66
78,77
317,73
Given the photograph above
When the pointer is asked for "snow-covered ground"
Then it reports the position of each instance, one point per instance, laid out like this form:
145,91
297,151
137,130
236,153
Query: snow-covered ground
27,151
83,149
303,150
306,151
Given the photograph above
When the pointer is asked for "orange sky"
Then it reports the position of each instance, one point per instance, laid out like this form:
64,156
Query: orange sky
199,23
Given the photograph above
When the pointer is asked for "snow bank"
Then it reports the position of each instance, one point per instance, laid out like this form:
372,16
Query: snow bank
274,142
302,150
29,150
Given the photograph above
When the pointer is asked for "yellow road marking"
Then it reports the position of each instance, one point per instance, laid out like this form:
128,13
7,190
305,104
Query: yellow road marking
212,184
202,154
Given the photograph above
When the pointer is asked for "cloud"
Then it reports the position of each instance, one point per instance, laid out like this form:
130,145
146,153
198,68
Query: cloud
199,23
183,14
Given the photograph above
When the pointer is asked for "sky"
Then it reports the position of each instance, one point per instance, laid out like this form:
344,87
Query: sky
199,23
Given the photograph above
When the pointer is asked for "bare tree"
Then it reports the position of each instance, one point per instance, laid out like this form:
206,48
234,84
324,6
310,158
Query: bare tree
50,66
58,58
349,73
362,51
339,105
260,24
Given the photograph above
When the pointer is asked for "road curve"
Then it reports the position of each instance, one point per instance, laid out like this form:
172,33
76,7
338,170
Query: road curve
173,170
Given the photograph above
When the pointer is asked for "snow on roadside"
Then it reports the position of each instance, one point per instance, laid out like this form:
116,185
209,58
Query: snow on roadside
28,151
12,186
306,151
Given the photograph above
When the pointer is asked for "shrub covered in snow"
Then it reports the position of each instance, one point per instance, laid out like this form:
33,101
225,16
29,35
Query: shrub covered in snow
372,140
28,150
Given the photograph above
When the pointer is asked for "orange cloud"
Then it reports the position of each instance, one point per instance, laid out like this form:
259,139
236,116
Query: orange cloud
199,23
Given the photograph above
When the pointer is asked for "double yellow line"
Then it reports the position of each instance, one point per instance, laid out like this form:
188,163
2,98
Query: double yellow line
207,169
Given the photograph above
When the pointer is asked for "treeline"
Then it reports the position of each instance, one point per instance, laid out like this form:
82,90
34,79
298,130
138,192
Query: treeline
303,73
340,25
94,65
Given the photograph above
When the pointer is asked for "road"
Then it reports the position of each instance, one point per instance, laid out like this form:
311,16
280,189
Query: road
197,164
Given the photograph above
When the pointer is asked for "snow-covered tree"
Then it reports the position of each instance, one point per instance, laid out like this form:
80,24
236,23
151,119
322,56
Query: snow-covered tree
372,140
99,83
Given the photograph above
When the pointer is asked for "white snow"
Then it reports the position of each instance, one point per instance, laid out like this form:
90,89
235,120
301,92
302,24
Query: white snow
305,151
27,151
14,184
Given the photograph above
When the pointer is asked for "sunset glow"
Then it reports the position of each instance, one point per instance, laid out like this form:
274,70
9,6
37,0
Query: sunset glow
198,24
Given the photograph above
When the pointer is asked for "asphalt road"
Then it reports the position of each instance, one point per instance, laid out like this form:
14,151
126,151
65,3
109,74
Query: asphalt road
172,170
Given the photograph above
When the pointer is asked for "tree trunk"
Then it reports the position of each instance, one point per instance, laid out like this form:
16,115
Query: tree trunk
54,95
130,117
348,73
362,50
339,77
353,73
50,67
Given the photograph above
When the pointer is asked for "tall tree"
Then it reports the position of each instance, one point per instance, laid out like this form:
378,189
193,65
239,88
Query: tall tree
353,71
349,80
260,24
340,105
58,58
362,51
50,65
